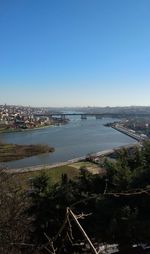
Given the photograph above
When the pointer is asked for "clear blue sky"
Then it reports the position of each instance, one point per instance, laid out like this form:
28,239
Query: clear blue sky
75,52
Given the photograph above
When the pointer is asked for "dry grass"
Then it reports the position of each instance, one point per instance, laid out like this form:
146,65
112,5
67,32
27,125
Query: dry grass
91,167
10,152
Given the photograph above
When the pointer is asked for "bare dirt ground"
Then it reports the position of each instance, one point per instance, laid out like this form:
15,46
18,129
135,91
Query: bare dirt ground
91,167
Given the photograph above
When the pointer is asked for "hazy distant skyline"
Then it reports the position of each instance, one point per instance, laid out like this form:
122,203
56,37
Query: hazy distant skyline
75,52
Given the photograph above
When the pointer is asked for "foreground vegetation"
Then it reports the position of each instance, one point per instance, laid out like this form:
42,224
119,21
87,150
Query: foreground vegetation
54,174
10,152
115,208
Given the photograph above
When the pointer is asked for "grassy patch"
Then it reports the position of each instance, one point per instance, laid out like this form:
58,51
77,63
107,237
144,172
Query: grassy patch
54,174
10,152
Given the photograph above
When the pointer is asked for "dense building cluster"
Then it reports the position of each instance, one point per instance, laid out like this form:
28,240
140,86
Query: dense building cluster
19,117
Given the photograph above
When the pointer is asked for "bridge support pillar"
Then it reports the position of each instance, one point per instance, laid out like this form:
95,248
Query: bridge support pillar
63,117
83,117
98,117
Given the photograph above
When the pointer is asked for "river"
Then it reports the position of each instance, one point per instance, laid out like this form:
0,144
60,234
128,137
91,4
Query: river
75,139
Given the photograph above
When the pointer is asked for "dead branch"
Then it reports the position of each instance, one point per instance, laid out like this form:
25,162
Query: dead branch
82,231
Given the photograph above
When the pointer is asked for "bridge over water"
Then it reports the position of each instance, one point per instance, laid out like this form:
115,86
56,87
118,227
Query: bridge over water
96,115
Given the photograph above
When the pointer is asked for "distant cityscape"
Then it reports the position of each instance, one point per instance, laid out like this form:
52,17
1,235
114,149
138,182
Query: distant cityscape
15,118
20,117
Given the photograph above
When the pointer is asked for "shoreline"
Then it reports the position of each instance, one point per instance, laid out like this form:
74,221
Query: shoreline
54,165
78,159
24,130
127,132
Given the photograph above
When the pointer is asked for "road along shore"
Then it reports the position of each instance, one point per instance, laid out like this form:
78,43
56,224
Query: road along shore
128,132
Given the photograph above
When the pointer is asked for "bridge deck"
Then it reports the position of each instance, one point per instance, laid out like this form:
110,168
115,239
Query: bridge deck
94,114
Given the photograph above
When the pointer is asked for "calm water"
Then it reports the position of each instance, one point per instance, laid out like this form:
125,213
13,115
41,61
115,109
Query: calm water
75,139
